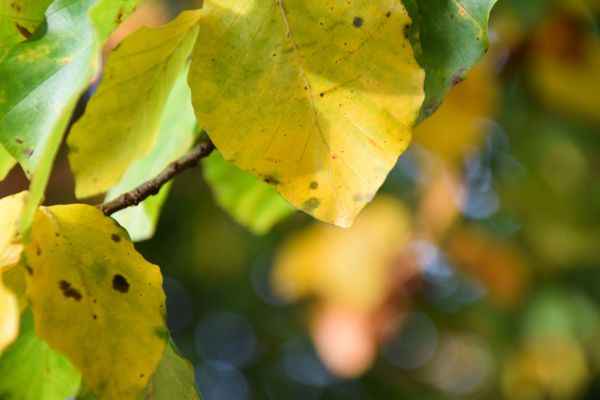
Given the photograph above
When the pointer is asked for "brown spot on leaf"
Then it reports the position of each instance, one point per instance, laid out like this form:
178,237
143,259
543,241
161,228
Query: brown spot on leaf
311,204
23,31
406,30
388,14
120,284
18,141
271,180
115,238
456,79
314,185
69,291
358,22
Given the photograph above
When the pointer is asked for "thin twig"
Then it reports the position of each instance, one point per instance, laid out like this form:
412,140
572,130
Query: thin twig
152,187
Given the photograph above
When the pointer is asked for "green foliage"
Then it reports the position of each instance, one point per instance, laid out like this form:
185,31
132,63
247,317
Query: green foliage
31,370
50,72
251,202
313,101
449,37
173,379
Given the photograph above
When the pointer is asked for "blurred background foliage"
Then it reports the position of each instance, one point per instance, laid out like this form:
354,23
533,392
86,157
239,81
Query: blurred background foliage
473,274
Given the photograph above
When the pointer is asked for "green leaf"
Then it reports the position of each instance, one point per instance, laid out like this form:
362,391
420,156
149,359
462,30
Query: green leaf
176,134
7,162
95,299
18,20
174,378
128,104
31,370
449,37
42,79
251,202
316,97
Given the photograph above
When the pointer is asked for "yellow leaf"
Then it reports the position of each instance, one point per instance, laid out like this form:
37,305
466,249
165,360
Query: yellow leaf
10,251
9,317
128,105
95,299
316,97
347,267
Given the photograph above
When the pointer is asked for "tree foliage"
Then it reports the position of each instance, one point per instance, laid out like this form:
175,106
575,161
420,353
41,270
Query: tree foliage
314,101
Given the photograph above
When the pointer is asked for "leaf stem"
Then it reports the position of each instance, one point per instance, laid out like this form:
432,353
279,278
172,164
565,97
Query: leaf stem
153,186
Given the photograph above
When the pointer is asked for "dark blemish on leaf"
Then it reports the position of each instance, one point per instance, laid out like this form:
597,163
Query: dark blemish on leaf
406,30
19,141
120,284
29,271
456,79
271,180
358,22
38,251
311,204
17,8
322,94
94,316
141,375
57,234
388,14
314,185
68,290
120,14
115,238
23,31
161,332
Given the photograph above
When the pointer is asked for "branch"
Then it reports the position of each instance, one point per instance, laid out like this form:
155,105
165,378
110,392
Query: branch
152,187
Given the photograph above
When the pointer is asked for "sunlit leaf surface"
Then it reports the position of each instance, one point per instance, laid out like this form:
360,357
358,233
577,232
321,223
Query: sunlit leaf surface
317,98
95,299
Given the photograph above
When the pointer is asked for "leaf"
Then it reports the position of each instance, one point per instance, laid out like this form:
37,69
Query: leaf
95,299
10,246
174,378
7,162
449,37
176,133
316,97
458,125
128,104
9,317
18,20
46,75
251,202
31,370
346,267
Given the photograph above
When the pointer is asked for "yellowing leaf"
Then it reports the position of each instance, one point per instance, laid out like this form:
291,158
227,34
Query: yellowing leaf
177,131
95,299
6,162
128,104
18,20
317,97
250,201
10,210
9,317
458,124
347,267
